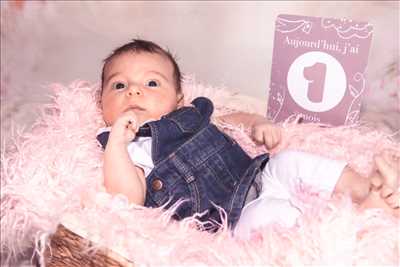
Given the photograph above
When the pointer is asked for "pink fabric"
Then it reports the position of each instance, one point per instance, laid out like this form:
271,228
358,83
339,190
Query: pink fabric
55,170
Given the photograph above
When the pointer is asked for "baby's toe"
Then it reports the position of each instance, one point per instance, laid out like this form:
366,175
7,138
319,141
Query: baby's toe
376,182
386,191
393,200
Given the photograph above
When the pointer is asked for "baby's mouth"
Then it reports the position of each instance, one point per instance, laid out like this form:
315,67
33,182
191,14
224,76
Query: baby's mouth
134,108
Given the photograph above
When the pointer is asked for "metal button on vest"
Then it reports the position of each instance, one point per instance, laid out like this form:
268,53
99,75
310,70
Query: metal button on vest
156,184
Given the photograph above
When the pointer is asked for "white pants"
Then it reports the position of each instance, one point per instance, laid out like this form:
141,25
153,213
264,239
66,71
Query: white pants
282,175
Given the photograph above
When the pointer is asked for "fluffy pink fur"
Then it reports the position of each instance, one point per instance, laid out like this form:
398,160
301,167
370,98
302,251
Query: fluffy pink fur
53,174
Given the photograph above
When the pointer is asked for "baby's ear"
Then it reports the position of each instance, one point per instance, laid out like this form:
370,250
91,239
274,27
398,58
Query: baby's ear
181,100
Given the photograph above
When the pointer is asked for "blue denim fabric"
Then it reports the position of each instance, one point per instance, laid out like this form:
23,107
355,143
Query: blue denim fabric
196,162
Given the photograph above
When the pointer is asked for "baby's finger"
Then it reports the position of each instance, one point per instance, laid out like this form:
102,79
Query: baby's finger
130,119
258,136
266,140
277,136
127,118
275,139
132,125
269,140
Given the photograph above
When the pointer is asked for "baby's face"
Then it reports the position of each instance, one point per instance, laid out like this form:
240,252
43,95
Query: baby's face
141,82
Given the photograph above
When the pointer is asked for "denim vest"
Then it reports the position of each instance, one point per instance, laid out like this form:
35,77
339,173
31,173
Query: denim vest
197,163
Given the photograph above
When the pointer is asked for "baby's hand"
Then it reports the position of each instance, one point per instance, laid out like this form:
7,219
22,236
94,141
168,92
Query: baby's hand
267,133
124,129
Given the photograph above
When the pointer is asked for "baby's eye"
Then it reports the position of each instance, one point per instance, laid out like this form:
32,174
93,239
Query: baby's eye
152,83
119,85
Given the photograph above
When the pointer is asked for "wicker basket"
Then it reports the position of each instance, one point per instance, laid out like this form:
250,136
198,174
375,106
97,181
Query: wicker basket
71,250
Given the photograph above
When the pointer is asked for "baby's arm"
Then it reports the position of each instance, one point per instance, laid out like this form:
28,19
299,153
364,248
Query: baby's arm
262,130
248,120
120,174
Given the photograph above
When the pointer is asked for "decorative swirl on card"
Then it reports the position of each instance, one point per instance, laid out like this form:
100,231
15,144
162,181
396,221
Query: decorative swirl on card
355,91
285,26
347,29
279,98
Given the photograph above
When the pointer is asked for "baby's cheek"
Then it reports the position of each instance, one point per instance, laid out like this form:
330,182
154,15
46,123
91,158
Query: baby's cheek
108,120
110,117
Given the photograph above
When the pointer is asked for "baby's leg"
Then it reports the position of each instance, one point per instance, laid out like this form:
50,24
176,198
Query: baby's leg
281,178
291,169
321,173
263,211
286,171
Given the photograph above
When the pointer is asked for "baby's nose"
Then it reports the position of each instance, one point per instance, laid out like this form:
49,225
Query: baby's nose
134,90
131,93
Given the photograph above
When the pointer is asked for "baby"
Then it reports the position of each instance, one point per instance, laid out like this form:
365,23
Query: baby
158,152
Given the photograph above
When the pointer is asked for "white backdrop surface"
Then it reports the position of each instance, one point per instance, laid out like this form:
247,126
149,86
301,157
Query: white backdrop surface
222,43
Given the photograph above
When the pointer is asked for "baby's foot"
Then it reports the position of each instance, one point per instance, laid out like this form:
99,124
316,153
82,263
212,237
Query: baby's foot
388,164
384,193
375,201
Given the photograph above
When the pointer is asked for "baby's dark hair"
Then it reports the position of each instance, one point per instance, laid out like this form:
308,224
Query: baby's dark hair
137,46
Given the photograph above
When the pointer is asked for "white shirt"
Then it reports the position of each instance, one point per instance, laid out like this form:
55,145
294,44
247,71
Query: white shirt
139,151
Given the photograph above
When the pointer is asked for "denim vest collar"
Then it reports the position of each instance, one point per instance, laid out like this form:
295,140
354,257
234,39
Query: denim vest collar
180,123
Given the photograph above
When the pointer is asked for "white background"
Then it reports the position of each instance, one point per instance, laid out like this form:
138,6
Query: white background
223,43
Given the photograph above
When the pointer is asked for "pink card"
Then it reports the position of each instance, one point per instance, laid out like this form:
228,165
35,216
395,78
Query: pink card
318,67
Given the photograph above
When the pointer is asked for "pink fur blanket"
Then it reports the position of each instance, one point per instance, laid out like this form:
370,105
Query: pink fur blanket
52,174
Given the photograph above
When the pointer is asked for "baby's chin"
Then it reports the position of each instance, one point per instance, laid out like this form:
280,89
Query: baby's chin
145,119
141,120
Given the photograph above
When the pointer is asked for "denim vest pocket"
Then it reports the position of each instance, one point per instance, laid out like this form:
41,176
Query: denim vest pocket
185,186
217,176
178,184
